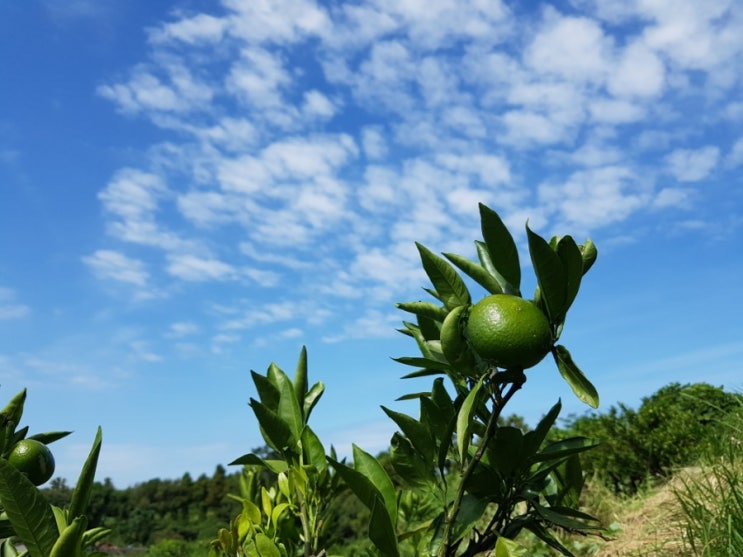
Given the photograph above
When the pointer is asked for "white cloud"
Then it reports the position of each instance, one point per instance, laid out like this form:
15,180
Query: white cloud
640,72
113,265
199,28
596,197
573,48
198,269
692,165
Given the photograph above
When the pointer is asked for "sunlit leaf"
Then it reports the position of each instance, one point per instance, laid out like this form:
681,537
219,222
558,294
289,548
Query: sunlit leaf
426,309
574,377
447,282
476,272
501,247
28,511
84,486
465,418
550,275
300,380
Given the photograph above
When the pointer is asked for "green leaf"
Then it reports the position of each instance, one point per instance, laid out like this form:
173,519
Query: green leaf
311,398
447,282
429,328
275,432
84,486
409,463
13,411
427,363
70,540
572,264
251,459
418,434
476,272
268,393
507,451
49,436
508,548
589,254
565,447
425,309
370,467
266,546
564,518
289,411
470,513
501,247
534,439
423,373
550,275
28,511
382,530
574,377
314,452
484,256
300,380
465,418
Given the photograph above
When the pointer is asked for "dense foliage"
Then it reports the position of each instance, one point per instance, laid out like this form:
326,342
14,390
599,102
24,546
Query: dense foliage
670,429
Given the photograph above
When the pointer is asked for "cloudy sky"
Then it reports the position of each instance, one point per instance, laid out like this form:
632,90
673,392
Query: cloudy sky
190,190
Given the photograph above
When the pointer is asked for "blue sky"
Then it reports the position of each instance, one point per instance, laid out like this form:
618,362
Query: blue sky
191,190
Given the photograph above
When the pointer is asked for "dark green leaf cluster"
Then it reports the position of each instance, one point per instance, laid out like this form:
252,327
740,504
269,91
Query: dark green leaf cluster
670,429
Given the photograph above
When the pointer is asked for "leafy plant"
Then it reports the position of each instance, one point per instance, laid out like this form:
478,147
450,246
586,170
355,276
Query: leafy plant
25,514
464,481
288,517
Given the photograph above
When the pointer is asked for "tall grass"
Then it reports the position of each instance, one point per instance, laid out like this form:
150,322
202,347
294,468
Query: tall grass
712,500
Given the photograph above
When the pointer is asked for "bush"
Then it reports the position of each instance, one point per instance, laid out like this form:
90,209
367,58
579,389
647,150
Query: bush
672,428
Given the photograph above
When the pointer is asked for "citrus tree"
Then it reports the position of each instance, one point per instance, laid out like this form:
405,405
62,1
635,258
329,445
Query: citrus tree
27,520
463,483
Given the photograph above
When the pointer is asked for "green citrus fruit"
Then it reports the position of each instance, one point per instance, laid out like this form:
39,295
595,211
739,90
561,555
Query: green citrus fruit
508,331
453,343
34,459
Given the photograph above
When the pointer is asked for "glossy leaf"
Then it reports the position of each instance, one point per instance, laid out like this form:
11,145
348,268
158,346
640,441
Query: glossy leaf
589,254
84,486
572,264
429,328
313,451
370,467
268,393
425,309
550,275
49,436
465,418
409,463
289,411
501,247
574,377
418,434
476,272
28,511
484,256
311,398
382,530
300,380
276,433
447,282
428,363
251,459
